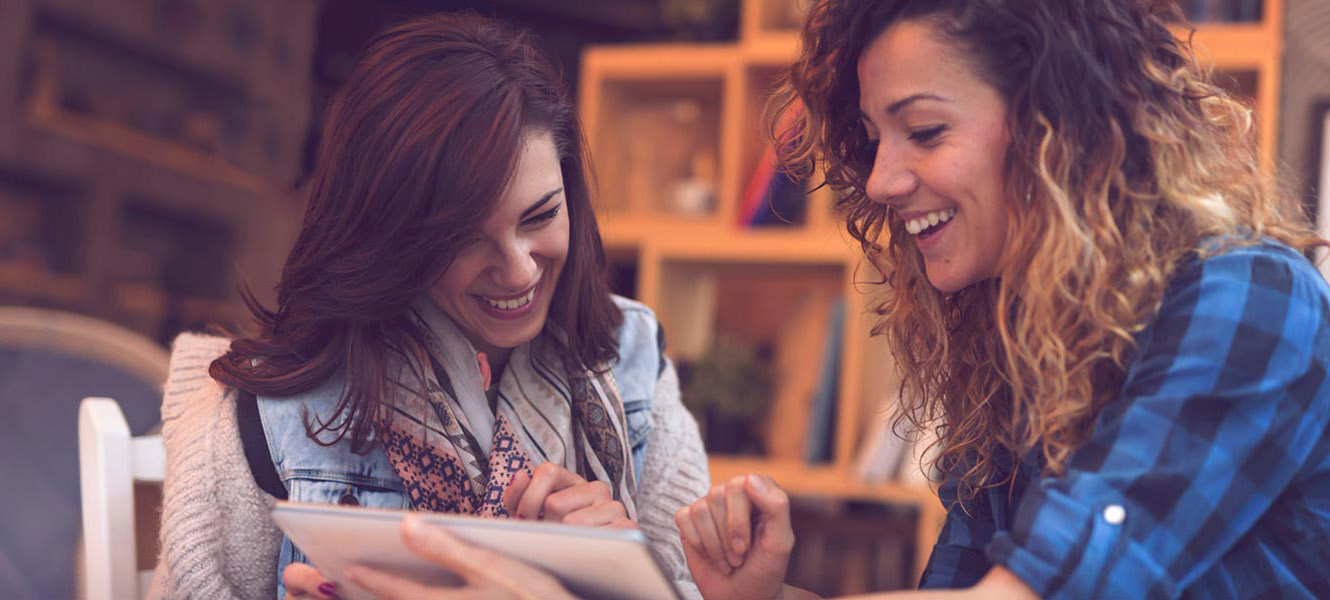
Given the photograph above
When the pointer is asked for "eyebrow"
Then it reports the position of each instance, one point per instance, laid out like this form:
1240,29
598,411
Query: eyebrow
539,203
899,105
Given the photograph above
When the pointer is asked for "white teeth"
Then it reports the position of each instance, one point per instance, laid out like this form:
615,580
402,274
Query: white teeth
513,304
918,224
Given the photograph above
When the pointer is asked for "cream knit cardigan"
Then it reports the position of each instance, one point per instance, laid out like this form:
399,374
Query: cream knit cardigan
218,541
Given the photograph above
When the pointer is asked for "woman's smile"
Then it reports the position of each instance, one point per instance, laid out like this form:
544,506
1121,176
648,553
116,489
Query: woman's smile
511,307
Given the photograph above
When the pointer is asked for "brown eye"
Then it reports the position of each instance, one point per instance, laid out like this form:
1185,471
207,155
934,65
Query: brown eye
924,136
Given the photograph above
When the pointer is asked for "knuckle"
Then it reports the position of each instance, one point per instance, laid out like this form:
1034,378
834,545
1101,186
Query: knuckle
546,469
557,504
737,481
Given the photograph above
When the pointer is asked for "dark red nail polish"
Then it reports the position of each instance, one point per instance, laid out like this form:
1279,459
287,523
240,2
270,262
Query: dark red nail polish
327,588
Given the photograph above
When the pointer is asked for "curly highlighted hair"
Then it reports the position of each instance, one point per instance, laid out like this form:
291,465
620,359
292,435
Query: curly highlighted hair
1123,156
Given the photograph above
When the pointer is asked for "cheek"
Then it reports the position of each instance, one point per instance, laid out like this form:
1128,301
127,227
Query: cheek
457,278
553,241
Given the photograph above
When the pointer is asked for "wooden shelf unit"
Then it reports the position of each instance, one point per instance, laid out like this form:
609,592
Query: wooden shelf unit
1252,48
143,165
658,241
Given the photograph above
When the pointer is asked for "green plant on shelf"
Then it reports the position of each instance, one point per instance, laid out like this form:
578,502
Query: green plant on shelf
729,391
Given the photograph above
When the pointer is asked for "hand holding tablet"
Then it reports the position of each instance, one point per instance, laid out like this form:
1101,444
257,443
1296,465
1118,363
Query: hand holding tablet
532,558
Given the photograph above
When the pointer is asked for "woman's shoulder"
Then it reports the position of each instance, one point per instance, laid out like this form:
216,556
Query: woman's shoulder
188,383
1265,270
641,349
1256,292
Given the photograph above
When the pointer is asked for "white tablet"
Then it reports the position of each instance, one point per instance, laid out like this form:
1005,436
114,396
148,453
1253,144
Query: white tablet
590,562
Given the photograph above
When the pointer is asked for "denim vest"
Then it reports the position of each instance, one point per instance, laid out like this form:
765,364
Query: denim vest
336,475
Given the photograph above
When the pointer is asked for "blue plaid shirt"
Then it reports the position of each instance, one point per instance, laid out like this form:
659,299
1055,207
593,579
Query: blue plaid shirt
1208,478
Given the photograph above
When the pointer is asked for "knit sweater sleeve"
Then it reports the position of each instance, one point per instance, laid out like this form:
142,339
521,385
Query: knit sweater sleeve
217,540
674,474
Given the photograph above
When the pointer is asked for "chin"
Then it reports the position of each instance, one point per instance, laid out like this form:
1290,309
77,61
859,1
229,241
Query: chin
948,283
514,338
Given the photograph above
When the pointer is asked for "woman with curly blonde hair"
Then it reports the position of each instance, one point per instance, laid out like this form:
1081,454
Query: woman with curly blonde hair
1093,292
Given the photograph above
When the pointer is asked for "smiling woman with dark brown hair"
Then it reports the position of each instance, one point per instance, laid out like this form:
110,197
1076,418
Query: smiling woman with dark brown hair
444,338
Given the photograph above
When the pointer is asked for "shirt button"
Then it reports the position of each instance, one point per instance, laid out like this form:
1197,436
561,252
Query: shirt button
348,499
1114,514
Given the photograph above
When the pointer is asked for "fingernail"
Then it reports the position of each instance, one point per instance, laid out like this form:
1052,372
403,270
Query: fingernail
739,545
758,483
414,527
327,588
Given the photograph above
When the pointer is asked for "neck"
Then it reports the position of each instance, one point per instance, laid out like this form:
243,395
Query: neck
498,359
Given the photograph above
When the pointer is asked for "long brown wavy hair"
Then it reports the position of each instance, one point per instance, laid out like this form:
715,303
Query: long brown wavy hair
417,148
1123,156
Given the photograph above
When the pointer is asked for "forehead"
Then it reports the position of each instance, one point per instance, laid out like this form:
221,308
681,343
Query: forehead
912,57
536,172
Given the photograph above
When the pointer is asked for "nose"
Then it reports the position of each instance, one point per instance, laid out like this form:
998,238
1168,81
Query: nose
892,178
514,268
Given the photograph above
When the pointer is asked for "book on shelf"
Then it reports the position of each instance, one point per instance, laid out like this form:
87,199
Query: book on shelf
803,328
1231,11
755,190
786,202
918,468
821,425
883,448
772,197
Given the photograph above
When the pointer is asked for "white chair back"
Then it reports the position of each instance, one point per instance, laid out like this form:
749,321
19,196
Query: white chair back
110,461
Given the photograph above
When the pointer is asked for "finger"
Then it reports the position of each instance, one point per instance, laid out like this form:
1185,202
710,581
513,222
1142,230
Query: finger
773,507
386,586
548,478
709,534
441,547
513,494
304,581
605,514
738,517
719,516
574,498
699,565
693,551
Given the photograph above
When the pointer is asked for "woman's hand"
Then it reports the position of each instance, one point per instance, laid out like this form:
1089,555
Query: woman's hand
738,538
305,582
556,494
487,574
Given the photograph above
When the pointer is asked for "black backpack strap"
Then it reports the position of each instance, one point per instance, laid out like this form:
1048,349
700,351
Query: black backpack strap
660,347
255,444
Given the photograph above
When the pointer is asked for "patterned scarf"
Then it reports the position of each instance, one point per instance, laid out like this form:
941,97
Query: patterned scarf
456,455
